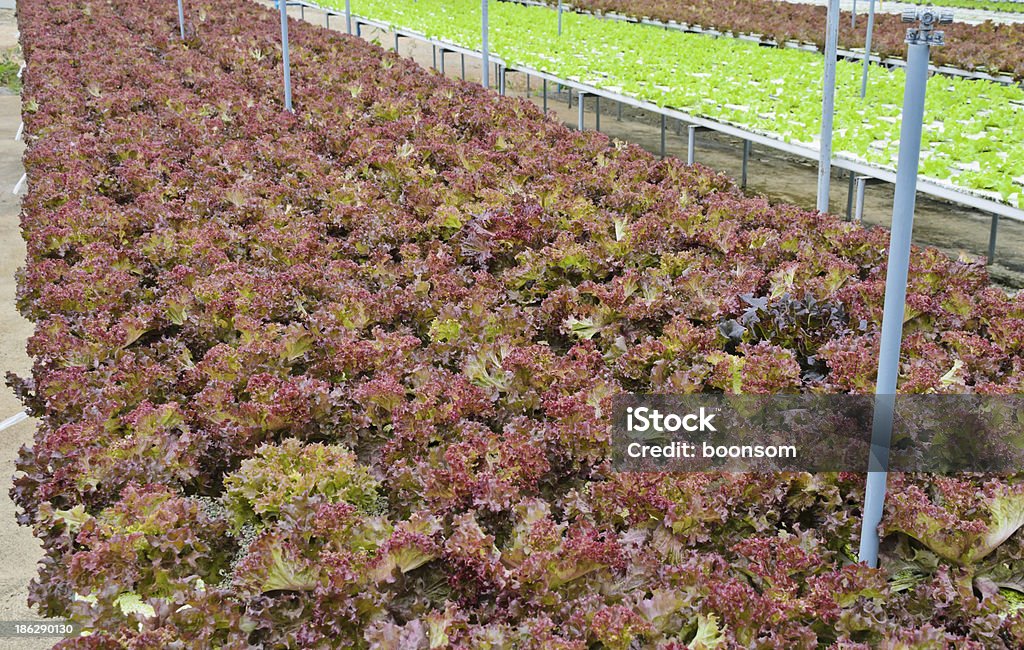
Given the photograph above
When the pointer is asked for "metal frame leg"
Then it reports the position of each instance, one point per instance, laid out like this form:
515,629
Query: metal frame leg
691,143
545,92
527,86
597,112
662,136
746,159
858,212
433,52
619,113
992,239
462,59
582,101
443,52
849,197
501,80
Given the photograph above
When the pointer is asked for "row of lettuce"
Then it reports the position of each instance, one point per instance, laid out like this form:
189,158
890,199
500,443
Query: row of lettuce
341,378
973,138
997,49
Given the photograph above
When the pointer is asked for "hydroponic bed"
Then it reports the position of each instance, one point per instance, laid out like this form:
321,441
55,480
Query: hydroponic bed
341,378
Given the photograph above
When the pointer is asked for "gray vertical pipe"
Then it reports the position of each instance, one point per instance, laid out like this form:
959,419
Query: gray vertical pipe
285,59
559,17
663,136
691,144
895,296
867,49
992,239
597,112
485,61
853,16
348,17
746,160
181,19
828,105
580,123
545,96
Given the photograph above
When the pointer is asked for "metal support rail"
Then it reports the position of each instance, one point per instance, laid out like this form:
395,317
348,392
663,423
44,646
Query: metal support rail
852,55
925,186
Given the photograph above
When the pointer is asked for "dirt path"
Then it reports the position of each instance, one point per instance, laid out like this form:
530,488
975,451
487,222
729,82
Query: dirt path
19,550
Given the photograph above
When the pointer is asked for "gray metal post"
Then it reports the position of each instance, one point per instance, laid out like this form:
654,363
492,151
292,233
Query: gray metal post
527,86
501,80
348,18
918,42
327,19
619,109
285,60
485,60
462,61
559,17
858,212
992,239
828,105
691,143
849,197
443,52
433,53
662,136
597,112
545,96
867,49
579,121
181,19
746,159
853,16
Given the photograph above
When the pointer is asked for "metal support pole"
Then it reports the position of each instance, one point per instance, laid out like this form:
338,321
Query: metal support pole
746,159
849,197
501,80
181,19
662,136
396,42
359,29
348,18
691,143
858,212
462,61
327,19
619,114
867,49
545,96
433,53
828,105
443,52
559,17
527,86
579,121
485,60
853,16
285,59
896,276
569,91
597,112
992,239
